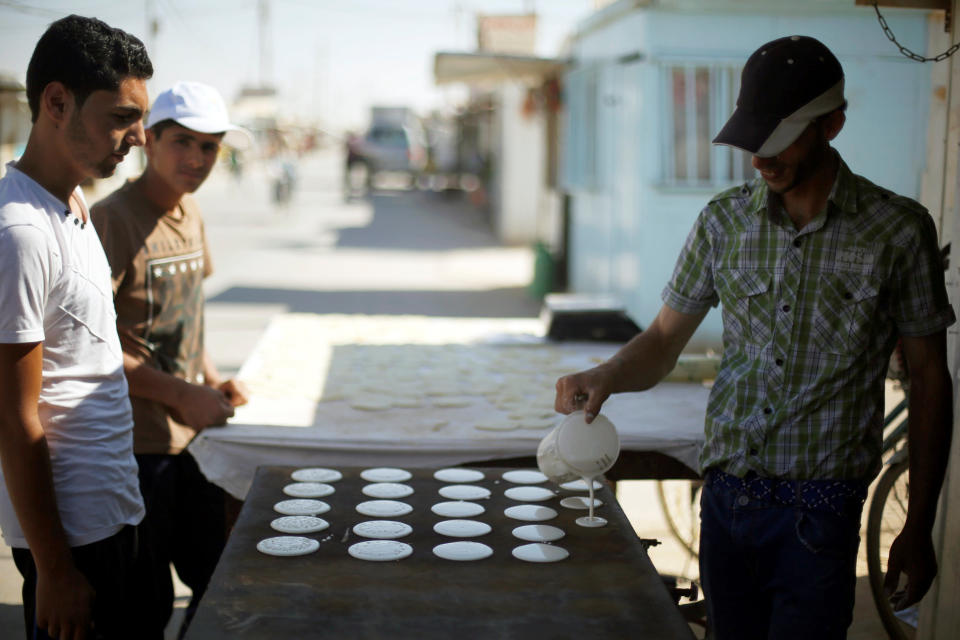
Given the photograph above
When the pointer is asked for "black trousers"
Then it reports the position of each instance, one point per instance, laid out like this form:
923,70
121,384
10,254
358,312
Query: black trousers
185,526
108,566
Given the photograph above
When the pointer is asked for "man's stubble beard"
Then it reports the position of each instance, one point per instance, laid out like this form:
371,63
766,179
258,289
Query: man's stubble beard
83,148
808,166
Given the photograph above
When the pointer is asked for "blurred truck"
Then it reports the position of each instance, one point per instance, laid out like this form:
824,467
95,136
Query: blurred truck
394,143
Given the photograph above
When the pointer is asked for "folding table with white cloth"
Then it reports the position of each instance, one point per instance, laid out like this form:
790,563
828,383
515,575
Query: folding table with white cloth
426,392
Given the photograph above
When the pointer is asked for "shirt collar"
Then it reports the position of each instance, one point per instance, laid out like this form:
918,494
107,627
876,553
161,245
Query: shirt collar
843,195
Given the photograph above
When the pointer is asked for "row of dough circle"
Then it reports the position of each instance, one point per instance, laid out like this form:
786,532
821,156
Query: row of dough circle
311,483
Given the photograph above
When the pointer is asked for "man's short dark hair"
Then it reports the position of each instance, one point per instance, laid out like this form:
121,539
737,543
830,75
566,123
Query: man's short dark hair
86,55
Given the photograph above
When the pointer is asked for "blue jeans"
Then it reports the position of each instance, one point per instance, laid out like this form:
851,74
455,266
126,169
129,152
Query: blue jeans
774,570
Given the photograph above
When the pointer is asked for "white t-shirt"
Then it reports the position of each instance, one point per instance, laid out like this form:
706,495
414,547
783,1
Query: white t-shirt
55,288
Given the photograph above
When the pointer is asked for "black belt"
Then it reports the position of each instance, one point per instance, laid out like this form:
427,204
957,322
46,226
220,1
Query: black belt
836,496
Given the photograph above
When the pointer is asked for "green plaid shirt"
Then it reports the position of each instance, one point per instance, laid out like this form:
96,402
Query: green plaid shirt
810,318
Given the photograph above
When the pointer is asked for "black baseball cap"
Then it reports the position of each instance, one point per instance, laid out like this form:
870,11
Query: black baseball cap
785,85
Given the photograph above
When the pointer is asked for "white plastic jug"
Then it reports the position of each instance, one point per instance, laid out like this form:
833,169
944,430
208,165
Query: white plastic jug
575,449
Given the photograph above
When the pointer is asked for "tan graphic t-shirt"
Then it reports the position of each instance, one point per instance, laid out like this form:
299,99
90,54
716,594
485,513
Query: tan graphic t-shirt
158,262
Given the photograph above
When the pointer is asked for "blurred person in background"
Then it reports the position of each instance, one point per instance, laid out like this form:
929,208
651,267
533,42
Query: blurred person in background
353,160
153,235
69,502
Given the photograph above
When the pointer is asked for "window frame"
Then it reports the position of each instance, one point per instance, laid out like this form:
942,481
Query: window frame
727,166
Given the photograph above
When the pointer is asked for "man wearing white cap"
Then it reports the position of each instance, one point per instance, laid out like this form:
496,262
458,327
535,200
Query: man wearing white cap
152,233
819,272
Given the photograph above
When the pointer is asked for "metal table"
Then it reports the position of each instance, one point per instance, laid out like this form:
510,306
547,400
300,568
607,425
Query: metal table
607,588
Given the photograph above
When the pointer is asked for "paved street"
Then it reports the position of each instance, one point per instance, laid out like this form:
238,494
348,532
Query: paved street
394,253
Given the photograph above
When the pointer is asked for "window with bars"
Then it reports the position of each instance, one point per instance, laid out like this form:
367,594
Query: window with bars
697,100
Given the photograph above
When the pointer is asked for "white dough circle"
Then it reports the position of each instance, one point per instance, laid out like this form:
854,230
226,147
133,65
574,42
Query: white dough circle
452,403
530,513
497,425
580,485
458,475
462,528
316,474
464,492
385,474
380,550
308,489
287,546
529,494
373,403
580,502
387,490
538,533
537,423
591,523
299,524
411,402
384,508
382,529
301,507
463,551
458,509
524,476
539,552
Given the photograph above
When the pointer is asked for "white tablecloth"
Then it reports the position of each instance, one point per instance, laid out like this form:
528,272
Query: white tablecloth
421,392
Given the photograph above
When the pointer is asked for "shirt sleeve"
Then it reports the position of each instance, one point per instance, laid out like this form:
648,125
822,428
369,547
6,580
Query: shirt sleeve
691,288
919,302
25,283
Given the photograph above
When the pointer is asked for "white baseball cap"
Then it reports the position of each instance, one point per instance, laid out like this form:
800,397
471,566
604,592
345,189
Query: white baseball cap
198,107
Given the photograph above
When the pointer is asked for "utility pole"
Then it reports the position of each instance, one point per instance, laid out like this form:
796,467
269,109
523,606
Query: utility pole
266,62
153,27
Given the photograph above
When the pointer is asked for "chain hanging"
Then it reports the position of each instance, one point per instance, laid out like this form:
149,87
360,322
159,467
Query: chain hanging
907,52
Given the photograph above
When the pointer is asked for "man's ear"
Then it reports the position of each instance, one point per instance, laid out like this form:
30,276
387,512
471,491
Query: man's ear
833,122
57,102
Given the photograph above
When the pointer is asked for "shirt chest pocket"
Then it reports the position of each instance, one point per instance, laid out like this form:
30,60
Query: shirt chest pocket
748,310
845,312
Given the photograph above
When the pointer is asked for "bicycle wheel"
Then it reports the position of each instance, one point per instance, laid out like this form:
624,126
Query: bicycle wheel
680,503
888,512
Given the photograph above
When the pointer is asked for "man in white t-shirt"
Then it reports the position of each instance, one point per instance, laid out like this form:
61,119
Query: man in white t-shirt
69,500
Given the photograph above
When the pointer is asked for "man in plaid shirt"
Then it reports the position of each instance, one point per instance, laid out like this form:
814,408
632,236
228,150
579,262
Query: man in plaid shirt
819,272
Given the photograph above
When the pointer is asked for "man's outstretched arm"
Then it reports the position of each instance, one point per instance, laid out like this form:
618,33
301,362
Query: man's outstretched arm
637,366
